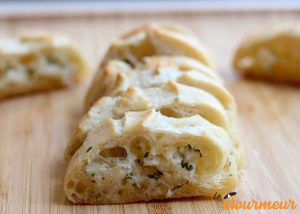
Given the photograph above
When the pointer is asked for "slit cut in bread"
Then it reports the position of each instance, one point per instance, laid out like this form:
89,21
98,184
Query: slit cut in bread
32,63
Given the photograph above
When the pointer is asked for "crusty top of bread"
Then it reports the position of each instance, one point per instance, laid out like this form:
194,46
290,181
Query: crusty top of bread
158,39
116,76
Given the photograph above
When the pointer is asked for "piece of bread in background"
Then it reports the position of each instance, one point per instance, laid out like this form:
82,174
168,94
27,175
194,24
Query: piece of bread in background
271,55
37,62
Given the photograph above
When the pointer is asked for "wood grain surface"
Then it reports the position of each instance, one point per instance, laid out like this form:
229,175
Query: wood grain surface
35,129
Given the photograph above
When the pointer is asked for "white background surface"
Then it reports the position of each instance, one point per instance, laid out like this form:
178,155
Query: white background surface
47,8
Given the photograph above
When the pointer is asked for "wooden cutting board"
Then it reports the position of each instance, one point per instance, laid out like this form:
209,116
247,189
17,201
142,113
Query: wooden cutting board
35,129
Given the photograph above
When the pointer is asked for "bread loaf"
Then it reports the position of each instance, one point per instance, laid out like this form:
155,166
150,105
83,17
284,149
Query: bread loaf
162,126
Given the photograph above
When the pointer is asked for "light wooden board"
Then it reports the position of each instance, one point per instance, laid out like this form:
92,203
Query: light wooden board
35,129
